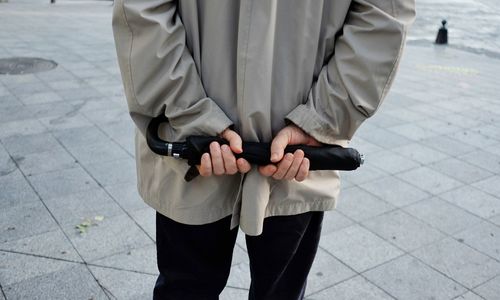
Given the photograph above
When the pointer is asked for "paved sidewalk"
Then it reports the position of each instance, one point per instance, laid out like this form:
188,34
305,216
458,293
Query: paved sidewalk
421,220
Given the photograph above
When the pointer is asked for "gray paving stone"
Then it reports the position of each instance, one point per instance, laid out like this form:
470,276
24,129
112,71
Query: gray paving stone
495,220
24,127
469,296
74,282
461,121
79,93
233,294
29,88
364,174
111,236
437,125
141,260
358,248
108,116
490,290
65,122
14,113
16,267
62,182
489,131
489,185
360,205
494,149
395,191
413,131
442,215
405,114
117,283
420,153
24,220
10,101
408,278
89,73
384,120
66,84
460,262
353,289
474,201
483,159
391,162
7,164
333,220
239,276
460,170
45,161
385,139
27,144
364,146
146,219
99,152
429,180
473,138
80,136
114,172
127,196
240,240
37,98
403,230
484,237
52,244
72,209
325,272
239,256
447,145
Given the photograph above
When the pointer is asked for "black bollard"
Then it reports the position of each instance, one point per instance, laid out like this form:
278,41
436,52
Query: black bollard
442,36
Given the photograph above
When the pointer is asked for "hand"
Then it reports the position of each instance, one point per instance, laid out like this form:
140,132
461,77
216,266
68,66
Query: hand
221,159
289,166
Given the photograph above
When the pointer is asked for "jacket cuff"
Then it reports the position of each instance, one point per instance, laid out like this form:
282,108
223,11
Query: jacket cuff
313,124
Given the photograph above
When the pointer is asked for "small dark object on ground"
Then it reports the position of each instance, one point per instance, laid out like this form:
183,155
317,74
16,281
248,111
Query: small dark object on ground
442,36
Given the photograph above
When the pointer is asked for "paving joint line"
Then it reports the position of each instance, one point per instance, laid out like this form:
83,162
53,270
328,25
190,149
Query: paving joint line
60,227
105,190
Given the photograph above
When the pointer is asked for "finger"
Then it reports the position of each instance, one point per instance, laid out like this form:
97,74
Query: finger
298,156
243,165
216,156
283,166
268,170
303,170
234,140
205,168
229,160
279,144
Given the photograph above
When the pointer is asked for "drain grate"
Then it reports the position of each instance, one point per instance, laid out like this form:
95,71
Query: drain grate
25,65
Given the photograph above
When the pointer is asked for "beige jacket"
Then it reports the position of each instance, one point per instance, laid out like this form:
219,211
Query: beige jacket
255,64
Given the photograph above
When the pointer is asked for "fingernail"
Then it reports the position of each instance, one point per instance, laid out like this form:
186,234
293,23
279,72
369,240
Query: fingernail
274,156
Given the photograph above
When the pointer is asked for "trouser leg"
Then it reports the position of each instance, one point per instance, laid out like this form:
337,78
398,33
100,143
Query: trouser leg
194,260
282,256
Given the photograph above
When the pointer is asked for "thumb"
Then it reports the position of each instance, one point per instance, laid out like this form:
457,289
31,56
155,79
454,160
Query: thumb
234,140
279,144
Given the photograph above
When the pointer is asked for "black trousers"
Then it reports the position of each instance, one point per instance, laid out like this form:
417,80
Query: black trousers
195,260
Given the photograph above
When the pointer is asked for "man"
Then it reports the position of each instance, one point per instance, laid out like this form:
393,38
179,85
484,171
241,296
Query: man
286,71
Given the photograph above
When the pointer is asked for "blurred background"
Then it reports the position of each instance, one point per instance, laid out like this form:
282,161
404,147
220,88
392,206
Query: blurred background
420,220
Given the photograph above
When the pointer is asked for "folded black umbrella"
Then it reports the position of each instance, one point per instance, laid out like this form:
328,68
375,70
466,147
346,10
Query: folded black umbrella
329,157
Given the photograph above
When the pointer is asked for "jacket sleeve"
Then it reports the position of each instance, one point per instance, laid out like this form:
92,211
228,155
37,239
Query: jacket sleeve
352,85
158,71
